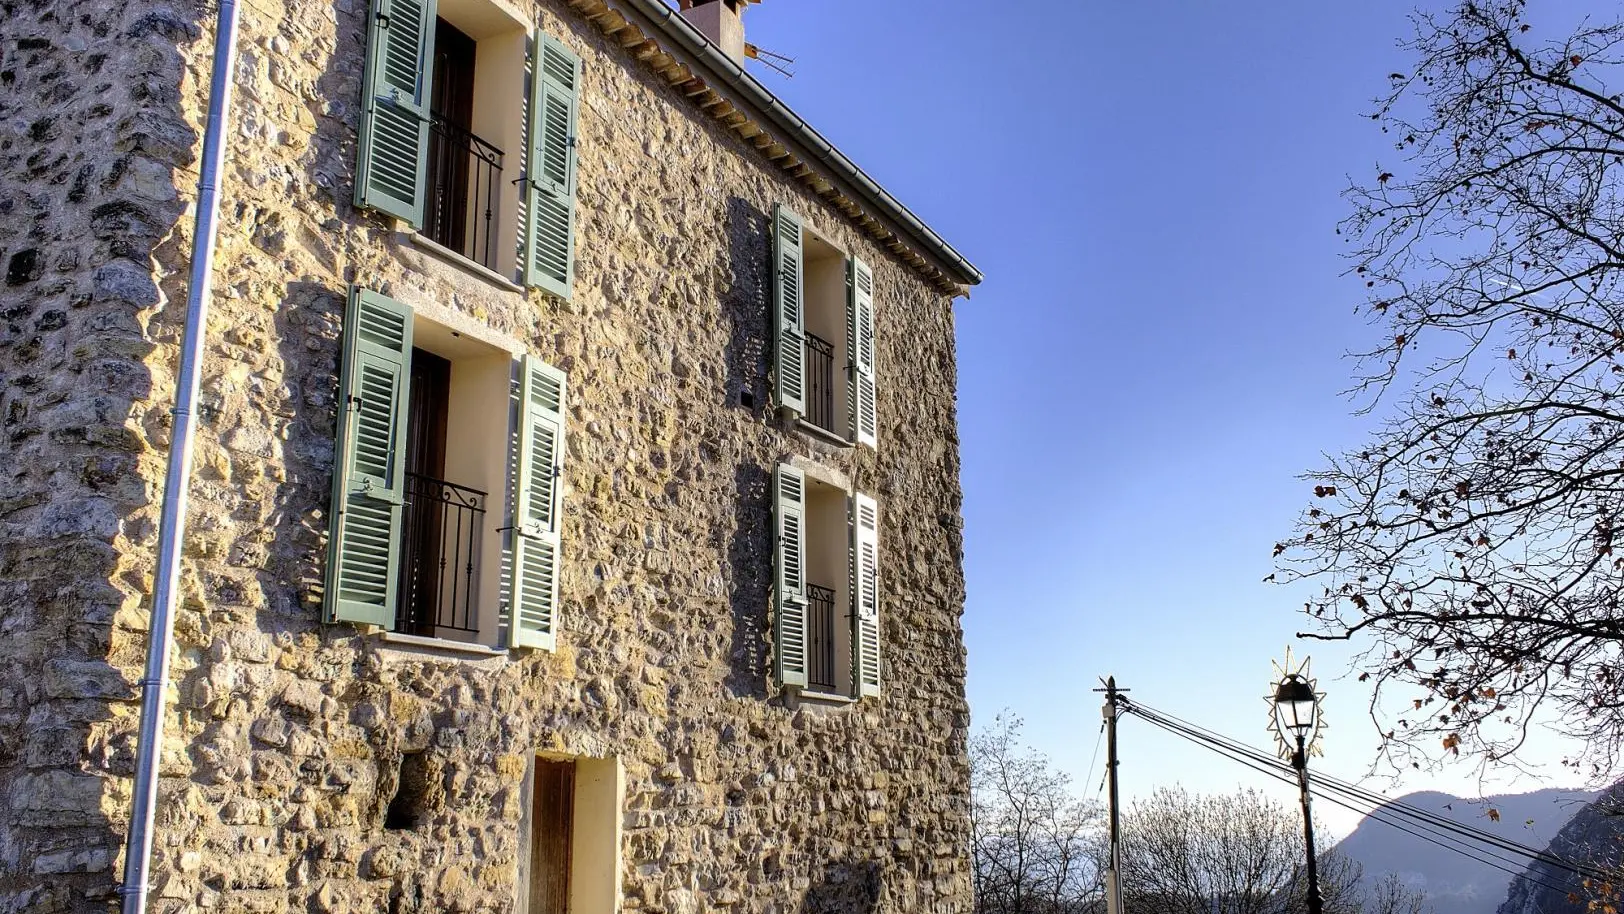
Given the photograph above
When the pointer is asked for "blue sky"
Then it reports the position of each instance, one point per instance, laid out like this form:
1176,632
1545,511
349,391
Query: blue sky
1151,190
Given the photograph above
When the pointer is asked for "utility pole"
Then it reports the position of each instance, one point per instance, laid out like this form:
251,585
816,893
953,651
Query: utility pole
1113,873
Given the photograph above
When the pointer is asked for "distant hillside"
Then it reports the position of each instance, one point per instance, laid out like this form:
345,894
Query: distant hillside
1453,883
1595,835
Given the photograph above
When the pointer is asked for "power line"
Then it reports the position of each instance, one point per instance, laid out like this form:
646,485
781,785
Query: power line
1424,816
1371,800
1271,768
1372,804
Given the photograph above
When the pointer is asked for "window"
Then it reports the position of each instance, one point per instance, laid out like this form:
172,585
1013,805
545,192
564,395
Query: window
823,307
468,135
826,622
464,191
573,862
421,540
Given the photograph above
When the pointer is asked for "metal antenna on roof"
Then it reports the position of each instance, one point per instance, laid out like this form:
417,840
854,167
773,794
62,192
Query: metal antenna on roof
777,61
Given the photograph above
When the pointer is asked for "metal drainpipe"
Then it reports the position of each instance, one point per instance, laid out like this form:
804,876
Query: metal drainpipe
172,525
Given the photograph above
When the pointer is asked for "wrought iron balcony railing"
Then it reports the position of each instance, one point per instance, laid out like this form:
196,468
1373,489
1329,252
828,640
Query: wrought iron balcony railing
441,534
820,383
820,642
464,182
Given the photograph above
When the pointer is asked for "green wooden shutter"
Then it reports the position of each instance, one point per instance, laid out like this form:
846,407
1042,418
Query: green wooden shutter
391,174
363,558
851,352
555,83
789,622
865,527
538,506
865,418
789,311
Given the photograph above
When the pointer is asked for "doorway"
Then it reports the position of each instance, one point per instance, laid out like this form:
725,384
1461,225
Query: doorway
552,821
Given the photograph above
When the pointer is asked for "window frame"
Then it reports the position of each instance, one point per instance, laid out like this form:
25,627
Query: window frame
484,403
520,72
816,517
817,281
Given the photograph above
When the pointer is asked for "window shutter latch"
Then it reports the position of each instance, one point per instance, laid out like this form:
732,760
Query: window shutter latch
372,490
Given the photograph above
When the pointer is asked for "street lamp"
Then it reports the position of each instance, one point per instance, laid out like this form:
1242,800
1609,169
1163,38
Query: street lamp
1297,726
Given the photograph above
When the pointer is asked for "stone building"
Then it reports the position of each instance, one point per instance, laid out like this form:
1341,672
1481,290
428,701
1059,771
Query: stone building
576,516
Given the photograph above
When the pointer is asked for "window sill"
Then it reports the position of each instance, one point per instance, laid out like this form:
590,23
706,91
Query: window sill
472,266
834,697
823,434
799,697
441,645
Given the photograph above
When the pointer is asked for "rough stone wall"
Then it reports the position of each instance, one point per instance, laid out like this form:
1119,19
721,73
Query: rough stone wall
92,146
286,735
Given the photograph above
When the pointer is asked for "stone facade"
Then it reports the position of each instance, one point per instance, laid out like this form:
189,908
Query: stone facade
285,735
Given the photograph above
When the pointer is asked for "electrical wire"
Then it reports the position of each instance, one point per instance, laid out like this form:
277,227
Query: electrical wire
1088,778
1424,817
1374,805
1371,799
1374,798
1273,768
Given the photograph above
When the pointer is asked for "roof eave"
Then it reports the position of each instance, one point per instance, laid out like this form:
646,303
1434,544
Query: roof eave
691,62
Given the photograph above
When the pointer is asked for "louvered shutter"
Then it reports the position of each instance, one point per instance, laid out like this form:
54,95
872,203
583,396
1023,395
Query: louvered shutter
363,558
851,351
864,412
555,81
391,172
865,589
538,507
789,311
789,622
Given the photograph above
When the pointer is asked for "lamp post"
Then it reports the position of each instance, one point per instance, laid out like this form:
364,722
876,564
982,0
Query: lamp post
1297,724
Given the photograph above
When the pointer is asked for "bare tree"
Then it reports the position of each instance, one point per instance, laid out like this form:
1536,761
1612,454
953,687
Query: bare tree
1039,849
1035,842
1471,544
1390,896
1240,853
1181,853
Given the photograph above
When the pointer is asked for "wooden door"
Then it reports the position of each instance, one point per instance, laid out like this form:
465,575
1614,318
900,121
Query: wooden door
552,817
423,529
452,107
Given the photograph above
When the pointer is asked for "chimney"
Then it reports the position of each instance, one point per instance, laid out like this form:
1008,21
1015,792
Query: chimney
722,21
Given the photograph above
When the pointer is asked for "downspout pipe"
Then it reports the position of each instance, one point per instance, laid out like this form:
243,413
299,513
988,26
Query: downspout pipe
172,524
694,42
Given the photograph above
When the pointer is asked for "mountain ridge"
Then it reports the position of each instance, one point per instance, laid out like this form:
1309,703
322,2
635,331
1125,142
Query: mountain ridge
1455,884
1594,836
